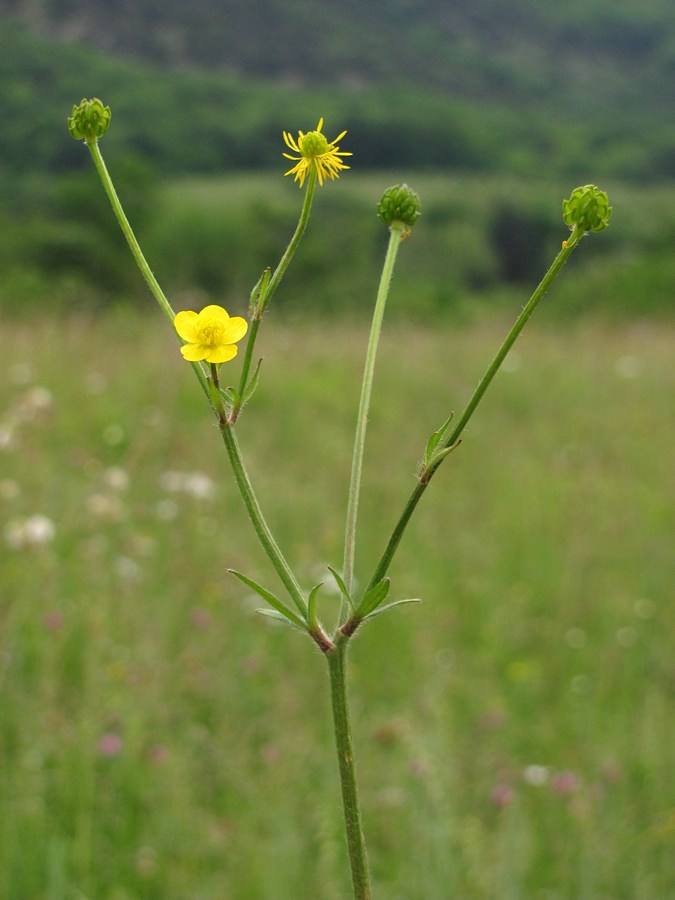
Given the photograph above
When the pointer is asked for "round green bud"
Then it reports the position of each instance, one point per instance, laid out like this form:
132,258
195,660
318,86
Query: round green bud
399,204
89,121
313,144
587,209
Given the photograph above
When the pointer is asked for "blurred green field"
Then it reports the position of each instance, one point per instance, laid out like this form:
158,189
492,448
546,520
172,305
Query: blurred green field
482,242
515,732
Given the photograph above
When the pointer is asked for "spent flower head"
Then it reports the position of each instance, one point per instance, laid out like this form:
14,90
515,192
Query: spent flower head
89,121
315,152
587,209
211,335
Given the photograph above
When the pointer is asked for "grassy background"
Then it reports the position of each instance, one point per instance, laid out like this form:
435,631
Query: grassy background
160,741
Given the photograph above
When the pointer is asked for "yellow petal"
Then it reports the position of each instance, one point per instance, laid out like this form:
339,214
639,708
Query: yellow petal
221,354
194,352
234,330
184,323
215,312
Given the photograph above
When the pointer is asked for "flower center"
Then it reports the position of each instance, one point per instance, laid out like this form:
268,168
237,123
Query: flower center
210,332
313,144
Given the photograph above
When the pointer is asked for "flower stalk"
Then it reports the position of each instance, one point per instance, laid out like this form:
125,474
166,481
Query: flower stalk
396,231
454,434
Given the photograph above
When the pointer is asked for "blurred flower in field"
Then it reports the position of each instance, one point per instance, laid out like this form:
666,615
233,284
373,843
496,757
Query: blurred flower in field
195,484
128,569
564,782
109,744
7,441
211,335
34,401
537,776
116,478
34,531
501,795
315,151
200,618
104,507
158,754
53,620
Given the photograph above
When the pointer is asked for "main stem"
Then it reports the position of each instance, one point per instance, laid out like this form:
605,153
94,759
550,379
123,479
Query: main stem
356,847
396,231
476,397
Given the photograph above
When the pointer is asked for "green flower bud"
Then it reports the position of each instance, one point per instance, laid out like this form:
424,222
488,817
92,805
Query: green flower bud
313,144
89,121
399,204
587,209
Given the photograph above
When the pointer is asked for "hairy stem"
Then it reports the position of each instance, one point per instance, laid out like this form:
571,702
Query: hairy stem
337,658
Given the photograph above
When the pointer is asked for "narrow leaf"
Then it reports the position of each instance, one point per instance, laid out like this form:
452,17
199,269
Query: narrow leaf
311,605
252,385
230,396
342,586
279,617
373,598
271,599
438,457
387,606
436,439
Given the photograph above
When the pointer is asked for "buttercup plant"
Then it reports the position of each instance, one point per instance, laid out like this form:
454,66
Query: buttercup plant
209,340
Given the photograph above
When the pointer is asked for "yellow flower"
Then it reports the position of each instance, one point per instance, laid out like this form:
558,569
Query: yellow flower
315,151
211,334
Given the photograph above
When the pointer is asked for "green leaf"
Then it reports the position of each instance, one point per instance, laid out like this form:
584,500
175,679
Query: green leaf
436,439
311,606
250,388
271,599
230,396
438,457
259,292
373,598
342,586
280,617
387,606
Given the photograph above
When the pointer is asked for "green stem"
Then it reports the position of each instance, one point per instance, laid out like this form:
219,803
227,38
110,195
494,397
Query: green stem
280,270
476,397
336,658
396,231
256,306
261,527
141,261
268,285
135,248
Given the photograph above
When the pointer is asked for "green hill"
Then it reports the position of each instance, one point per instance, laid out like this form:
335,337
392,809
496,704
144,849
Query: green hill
206,87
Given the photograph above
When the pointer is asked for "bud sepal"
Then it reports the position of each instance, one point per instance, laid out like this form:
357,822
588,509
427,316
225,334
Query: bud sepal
586,209
90,120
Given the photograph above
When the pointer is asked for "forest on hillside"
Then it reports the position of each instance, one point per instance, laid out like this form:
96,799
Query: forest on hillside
488,86
526,97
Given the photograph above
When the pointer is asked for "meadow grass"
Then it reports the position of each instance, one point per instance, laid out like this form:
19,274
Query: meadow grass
514,732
